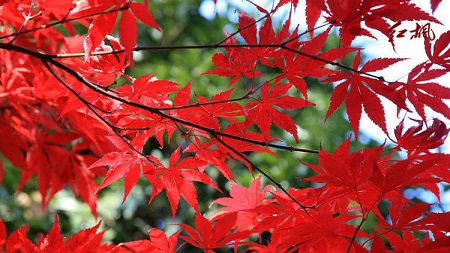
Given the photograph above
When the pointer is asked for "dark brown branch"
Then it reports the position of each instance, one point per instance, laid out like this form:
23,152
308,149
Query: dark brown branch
354,235
82,79
246,96
185,47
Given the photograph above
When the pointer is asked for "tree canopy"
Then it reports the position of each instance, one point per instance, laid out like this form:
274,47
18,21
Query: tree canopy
179,133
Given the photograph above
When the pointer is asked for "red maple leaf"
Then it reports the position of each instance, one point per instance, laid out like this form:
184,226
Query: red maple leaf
350,16
434,4
84,241
416,140
240,62
158,243
55,159
264,113
439,53
208,112
343,169
212,234
178,180
235,65
124,164
205,153
360,91
109,63
421,91
149,91
295,66
105,23
244,201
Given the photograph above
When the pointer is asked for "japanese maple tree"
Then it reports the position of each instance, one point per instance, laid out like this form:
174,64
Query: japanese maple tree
72,115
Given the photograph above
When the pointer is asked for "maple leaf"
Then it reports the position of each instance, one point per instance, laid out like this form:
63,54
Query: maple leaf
421,92
53,241
350,15
439,53
105,23
158,243
239,130
208,236
348,172
421,170
242,62
282,213
109,63
208,155
162,243
98,30
235,66
18,241
88,240
315,232
149,91
84,241
178,180
264,114
296,66
434,4
208,112
416,141
266,36
244,200
362,92
405,217
57,165
124,164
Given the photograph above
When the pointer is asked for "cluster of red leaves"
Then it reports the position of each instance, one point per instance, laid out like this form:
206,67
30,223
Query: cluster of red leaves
66,124
84,241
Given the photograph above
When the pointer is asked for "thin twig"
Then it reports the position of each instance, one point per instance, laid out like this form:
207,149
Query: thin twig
185,47
64,20
27,17
354,234
90,107
262,172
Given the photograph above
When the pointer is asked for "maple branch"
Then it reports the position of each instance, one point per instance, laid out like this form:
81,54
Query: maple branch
363,218
49,58
354,234
46,60
336,64
197,104
204,46
308,31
